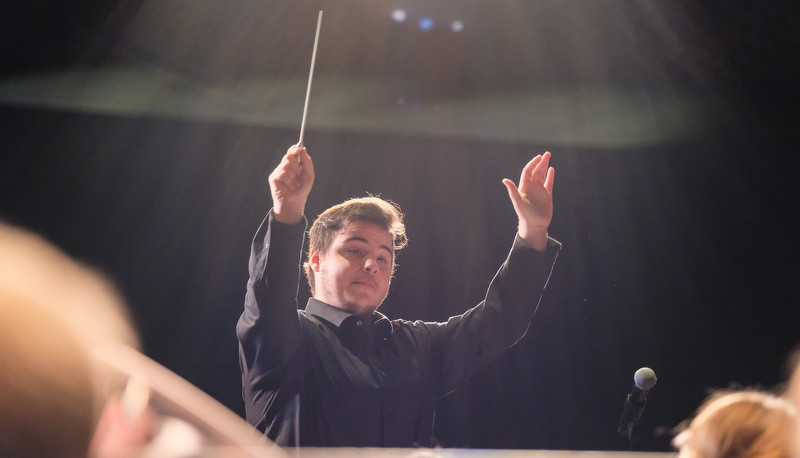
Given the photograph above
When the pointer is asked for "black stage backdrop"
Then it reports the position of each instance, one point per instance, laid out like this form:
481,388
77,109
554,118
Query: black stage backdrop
680,257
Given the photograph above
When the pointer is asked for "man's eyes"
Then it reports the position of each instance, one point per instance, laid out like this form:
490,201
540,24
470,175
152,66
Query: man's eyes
359,252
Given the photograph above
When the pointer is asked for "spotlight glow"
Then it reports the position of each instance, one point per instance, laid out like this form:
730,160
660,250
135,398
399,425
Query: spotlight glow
399,15
457,26
426,23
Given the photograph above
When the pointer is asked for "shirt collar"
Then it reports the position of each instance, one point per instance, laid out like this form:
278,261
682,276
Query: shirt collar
336,316
329,313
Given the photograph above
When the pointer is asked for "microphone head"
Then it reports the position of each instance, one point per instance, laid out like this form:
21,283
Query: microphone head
645,378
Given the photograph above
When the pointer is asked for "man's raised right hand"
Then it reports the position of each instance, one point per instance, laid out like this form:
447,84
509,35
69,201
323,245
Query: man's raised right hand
290,183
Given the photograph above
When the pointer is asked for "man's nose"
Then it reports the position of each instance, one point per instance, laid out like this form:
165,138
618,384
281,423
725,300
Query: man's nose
370,264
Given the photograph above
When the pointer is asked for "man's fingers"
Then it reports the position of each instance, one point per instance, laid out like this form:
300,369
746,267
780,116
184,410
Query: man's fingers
513,192
540,170
302,155
294,150
286,183
527,171
284,176
548,182
295,170
291,165
306,164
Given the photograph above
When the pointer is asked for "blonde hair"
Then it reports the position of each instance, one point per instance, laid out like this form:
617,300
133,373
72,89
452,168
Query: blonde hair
53,312
742,424
46,385
793,395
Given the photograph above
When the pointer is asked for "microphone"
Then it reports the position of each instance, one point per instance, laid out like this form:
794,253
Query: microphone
643,381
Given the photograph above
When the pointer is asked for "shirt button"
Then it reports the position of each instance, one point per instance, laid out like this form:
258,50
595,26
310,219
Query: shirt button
359,322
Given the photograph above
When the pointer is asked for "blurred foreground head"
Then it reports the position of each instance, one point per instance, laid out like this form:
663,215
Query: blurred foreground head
793,394
52,312
73,382
742,424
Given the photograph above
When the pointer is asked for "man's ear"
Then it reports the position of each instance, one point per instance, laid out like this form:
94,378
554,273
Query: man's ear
313,259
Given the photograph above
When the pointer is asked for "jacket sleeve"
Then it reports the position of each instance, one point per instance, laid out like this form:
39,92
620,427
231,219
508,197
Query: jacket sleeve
468,342
268,329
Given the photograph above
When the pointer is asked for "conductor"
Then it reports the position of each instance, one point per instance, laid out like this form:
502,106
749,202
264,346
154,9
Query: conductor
340,373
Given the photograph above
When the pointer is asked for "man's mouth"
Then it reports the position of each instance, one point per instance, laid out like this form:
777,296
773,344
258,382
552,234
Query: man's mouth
366,282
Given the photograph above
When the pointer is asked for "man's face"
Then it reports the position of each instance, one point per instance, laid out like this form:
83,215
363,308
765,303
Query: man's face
355,273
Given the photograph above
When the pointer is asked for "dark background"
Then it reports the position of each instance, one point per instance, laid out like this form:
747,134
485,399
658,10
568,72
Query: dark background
679,255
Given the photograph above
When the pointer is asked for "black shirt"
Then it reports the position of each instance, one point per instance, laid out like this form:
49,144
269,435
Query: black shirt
323,377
